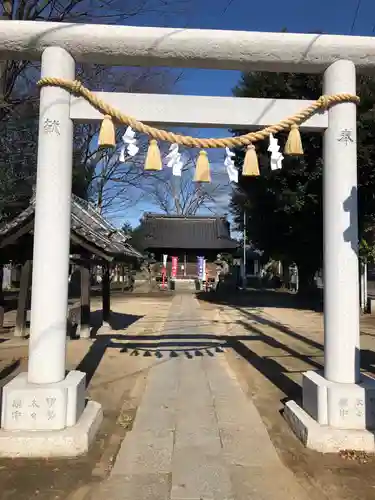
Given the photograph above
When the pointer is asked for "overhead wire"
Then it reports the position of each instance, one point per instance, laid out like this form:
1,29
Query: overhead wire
357,9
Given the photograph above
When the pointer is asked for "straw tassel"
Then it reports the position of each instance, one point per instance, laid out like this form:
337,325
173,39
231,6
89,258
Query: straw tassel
153,158
107,136
293,145
202,168
250,164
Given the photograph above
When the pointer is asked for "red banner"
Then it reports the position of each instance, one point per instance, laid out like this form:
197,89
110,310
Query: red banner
174,267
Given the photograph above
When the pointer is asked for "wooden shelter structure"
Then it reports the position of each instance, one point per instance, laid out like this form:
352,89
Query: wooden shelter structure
94,241
185,237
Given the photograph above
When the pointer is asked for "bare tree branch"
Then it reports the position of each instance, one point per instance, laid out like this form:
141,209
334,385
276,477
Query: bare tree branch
181,195
94,176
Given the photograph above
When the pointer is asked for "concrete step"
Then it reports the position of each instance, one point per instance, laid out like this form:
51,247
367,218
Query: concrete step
182,285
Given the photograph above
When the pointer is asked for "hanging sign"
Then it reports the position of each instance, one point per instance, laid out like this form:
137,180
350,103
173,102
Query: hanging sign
200,270
174,266
204,269
165,258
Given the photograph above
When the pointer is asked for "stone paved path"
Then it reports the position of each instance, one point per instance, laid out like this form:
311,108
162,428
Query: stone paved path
196,434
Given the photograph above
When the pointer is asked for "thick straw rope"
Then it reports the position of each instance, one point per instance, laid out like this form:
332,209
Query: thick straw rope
76,87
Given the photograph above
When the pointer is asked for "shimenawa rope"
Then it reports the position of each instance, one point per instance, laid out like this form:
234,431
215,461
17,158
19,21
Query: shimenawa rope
76,87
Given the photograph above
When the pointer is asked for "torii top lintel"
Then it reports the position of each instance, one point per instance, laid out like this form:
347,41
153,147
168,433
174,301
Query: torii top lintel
186,48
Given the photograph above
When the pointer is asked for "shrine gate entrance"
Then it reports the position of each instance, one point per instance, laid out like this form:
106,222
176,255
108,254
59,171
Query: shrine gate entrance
320,423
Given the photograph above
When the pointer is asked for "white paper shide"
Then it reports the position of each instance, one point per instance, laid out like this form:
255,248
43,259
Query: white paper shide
229,163
129,145
174,160
276,160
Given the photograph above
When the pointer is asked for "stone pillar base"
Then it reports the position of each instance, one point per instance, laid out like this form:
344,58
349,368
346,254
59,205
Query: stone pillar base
70,442
48,420
334,416
43,407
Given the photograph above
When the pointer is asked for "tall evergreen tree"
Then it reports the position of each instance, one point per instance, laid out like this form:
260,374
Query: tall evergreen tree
284,207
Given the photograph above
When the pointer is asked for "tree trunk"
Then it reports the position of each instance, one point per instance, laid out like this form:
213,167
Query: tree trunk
285,272
306,282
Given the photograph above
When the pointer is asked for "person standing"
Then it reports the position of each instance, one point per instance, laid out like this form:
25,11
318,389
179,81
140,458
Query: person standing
293,280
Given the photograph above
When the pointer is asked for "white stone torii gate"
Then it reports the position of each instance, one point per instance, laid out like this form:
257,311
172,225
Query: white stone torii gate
43,411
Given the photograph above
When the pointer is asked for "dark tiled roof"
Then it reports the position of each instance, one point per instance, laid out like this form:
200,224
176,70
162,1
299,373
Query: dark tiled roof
193,232
89,224
18,221
86,223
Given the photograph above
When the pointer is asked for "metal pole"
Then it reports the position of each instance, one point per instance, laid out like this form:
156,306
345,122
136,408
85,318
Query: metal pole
363,287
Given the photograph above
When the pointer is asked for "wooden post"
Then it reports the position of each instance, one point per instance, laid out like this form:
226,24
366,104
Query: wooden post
20,328
123,277
84,330
106,291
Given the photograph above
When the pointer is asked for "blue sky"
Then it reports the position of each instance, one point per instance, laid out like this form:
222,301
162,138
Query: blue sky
328,16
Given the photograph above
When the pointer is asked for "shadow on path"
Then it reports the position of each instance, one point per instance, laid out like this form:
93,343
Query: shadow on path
268,366
175,342
264,298
7,370
160,346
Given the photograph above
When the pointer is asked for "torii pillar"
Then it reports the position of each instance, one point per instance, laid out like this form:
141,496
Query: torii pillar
338,409
44,411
